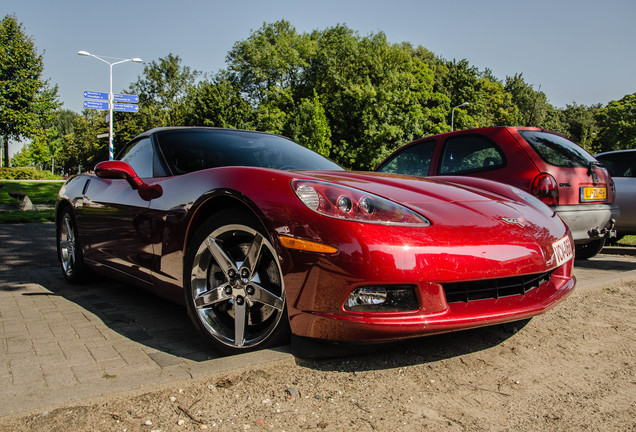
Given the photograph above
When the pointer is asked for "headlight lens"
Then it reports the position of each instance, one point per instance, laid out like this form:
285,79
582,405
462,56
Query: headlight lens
343,202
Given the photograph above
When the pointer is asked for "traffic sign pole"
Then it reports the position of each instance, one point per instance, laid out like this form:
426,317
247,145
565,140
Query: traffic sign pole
97,95
111,147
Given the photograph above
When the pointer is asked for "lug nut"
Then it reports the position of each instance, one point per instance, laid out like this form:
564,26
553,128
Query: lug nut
245,273
228,290
250,290
239,300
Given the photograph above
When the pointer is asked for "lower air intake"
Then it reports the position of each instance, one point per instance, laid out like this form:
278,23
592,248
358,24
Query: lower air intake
493,288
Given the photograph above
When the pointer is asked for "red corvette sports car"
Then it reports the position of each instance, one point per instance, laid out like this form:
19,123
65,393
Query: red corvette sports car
259,236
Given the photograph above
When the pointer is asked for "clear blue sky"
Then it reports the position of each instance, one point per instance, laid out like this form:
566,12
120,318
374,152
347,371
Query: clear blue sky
578,50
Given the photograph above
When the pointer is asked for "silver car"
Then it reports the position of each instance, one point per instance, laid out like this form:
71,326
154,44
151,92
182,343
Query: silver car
621,165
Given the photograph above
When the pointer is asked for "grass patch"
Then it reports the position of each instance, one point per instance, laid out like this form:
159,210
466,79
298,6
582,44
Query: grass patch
34,216
38,192
628,240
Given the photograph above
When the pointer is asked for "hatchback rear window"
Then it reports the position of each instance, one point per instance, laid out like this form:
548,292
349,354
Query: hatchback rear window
557,150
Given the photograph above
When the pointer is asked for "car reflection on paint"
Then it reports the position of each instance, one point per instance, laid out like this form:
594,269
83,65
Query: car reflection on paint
261,238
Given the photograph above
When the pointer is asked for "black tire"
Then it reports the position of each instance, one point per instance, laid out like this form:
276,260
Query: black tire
69,251
588,250
231,269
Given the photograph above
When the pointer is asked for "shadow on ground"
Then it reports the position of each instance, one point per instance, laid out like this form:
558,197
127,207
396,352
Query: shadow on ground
414,351
29,256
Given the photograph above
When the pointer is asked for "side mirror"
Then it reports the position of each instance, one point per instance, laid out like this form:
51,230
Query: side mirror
122,170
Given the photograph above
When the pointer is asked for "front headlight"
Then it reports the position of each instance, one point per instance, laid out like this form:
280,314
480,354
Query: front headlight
343,202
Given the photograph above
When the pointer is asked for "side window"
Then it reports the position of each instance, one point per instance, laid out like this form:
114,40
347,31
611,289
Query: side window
140,157
470,153
414,160
619,164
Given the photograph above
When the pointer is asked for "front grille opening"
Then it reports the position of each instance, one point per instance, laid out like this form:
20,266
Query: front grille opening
493,288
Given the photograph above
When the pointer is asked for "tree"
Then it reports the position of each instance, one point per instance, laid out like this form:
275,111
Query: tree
25,98
310,127
617,124
216,103
533,105
376,95
161,89
43,149
81,148
579,123
272,59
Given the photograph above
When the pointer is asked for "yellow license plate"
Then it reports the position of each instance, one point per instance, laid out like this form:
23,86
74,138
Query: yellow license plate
593,193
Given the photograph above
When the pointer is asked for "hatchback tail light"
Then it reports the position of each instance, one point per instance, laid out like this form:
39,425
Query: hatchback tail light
545,187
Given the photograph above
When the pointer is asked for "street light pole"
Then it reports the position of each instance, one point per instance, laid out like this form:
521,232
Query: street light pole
453,114
111,96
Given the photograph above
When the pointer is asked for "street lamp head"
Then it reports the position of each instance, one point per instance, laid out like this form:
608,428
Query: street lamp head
137,60
464,104
84,53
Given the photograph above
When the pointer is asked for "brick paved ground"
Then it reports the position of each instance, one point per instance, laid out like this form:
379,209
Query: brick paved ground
63,341
60,343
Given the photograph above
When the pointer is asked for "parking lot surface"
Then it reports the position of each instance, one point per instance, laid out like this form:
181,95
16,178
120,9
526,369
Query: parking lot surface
63,343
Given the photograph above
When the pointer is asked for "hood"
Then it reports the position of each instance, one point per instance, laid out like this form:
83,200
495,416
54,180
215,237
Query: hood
406,189
452,206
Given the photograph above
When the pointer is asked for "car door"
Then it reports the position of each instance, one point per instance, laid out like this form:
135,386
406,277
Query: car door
116,219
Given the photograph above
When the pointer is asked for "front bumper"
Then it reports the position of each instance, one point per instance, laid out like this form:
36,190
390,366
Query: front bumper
456,316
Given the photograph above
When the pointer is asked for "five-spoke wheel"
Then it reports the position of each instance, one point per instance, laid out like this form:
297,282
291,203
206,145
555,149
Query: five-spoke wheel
69,251
234,287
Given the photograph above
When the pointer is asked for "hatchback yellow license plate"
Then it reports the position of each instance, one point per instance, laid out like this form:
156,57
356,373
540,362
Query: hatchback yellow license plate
593,194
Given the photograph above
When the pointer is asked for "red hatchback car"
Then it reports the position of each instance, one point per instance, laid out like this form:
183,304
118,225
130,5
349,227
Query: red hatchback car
549,166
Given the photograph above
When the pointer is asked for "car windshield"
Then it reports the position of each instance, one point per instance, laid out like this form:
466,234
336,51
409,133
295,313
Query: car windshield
197,149
557,150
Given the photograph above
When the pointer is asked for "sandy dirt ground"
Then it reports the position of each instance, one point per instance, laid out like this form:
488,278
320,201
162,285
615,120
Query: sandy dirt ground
572,368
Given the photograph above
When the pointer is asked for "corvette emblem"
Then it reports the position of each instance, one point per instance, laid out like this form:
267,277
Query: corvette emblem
514,221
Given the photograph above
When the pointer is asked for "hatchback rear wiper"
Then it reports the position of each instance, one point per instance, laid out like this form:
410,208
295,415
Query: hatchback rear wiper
591,173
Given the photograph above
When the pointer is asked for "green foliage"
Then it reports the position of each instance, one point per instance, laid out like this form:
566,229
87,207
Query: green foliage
43,192
81,148
310,127
629,240
33,216
617,125
25,99
164,83
532,104
352,98
580,125
218,104
272,58
26,174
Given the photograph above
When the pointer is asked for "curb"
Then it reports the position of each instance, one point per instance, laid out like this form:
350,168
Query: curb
619,250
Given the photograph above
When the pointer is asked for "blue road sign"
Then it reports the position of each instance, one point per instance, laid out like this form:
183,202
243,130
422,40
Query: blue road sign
96,105
95,95
126,107
126,98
